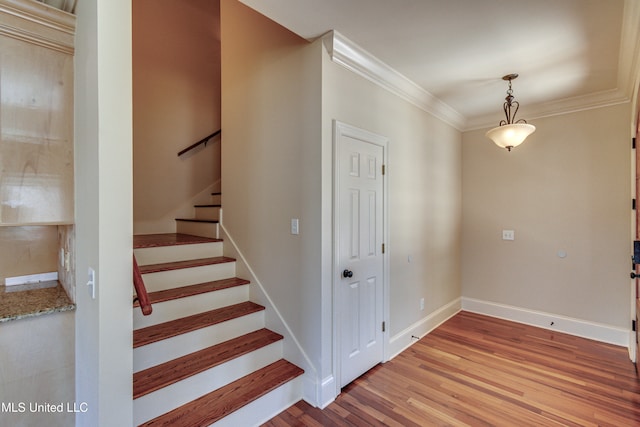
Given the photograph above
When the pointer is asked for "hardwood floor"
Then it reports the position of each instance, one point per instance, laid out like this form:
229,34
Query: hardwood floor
481,371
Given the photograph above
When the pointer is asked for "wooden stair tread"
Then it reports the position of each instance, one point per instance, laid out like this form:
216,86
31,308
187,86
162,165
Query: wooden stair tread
190,290
168,239
165,330
157,377
177,265
212,221
216,405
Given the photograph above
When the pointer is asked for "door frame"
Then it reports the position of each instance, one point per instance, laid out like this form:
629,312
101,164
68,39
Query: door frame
344,129
634,345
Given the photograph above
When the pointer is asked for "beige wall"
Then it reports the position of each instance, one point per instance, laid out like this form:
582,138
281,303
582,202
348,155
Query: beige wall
271,161
27,250
36,367
566,189
176,99
424,178
280,97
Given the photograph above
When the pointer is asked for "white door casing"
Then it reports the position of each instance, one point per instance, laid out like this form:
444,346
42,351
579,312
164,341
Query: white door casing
359,235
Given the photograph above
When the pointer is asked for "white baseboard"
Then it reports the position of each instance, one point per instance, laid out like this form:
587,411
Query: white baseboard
31,278
327,392
292,350
403,340
578,327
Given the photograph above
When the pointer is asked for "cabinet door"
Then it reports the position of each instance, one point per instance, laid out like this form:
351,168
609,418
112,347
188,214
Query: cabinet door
36,134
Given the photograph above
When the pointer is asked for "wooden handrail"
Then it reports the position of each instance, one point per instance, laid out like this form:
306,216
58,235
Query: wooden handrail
202,141
141,291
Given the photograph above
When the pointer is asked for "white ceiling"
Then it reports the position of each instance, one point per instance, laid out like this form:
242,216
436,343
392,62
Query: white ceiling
570,54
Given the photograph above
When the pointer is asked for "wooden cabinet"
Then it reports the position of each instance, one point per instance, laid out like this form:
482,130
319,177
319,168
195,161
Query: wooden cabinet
36,114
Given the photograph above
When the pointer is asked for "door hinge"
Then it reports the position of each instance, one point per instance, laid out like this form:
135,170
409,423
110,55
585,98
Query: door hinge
633,143
633,204
384,169
383,248
633,325
384,326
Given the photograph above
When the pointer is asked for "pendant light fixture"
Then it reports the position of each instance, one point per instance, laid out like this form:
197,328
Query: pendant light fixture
510,133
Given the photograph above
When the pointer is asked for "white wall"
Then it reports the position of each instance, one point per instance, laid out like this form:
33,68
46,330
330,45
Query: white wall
103,140
176,100
566,189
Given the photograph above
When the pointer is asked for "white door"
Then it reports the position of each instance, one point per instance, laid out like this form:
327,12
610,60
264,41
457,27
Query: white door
359,260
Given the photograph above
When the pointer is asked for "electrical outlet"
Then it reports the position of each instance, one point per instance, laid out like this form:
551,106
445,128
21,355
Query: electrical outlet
508,235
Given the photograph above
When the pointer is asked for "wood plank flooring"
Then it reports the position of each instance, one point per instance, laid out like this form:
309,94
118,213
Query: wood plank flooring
481,371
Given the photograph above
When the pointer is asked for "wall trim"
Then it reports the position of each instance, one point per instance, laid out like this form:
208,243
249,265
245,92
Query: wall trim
327,391
292,349
38,24
568,325
402,340
354,58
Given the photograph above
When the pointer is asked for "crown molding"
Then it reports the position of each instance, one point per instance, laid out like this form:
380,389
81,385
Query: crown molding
558,107
38,24
351,56
354,58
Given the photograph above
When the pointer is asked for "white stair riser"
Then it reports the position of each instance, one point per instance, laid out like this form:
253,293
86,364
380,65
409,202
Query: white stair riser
188,276
183,307
203,229
266,407
162,351
158,255
208,213
175,395
216,199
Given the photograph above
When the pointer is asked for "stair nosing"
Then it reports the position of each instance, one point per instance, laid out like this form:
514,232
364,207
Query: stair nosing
276,374
173,328
207,206
212,221
179,265
157,377
187,239
172,294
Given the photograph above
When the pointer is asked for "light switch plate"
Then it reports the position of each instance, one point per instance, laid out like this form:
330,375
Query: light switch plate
91,283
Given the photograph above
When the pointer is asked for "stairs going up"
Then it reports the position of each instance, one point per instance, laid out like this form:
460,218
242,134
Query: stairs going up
205,221
204,356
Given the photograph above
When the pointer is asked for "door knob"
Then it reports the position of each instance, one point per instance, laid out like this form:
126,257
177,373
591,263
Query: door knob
347,273
633,275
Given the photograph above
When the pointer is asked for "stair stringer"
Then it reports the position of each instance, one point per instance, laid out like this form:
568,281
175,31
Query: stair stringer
292,350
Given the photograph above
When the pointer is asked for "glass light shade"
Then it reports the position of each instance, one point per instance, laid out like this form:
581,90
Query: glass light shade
509,136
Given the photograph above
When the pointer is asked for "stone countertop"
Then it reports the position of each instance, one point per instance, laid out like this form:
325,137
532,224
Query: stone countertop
21,301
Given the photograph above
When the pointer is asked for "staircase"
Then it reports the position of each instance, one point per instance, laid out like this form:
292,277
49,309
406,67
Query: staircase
203,357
